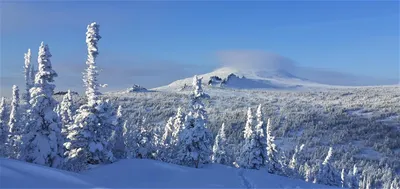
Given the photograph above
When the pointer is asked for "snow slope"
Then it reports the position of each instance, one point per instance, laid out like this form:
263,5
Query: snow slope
135,173
17,174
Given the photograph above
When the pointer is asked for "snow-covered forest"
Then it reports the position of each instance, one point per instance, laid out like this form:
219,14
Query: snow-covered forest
344,137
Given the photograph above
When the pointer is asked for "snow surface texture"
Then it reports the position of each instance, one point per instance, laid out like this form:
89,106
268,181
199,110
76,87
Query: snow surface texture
135,173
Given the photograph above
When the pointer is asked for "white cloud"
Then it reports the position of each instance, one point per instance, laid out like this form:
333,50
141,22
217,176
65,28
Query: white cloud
262,60
253,59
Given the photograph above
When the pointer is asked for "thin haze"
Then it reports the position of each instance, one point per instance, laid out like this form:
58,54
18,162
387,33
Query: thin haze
154,43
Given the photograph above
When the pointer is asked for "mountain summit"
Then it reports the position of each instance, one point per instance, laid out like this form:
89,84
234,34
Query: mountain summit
279,77
230,77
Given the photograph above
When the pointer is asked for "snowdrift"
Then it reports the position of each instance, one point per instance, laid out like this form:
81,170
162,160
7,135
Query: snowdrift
135,173
17,174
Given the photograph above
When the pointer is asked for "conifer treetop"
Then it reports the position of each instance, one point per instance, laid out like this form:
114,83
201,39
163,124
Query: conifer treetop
90,77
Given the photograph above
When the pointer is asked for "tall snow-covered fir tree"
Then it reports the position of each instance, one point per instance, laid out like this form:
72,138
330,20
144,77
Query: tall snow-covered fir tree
43,139
219,149
15,129
3,127
272,152
28,79
195,140
327,174
89,137
90,76
13,121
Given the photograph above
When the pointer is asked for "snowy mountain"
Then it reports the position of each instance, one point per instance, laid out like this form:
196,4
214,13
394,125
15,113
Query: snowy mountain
230,77
141,173
279,77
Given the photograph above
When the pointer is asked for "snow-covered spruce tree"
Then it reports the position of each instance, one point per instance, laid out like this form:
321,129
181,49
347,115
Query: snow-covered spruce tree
296,162
166,139
15,129
327,174
32,75
66,111
166,151
260,138
248,128
90,77
88,140
89,136
127,134
13,121
156,134
145,147
219,149
343,178
260,120
179,125
253,151
43,139
308,173
117,141
119,146
195,140
3,127
273,163
28,78
284,161
365,182
245,150
354,177
170,138
139,140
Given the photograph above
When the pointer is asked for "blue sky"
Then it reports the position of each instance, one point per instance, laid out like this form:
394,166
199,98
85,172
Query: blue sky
153,43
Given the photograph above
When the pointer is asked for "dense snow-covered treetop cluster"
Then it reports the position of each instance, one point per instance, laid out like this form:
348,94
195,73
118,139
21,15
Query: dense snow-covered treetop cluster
78,134
136,88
